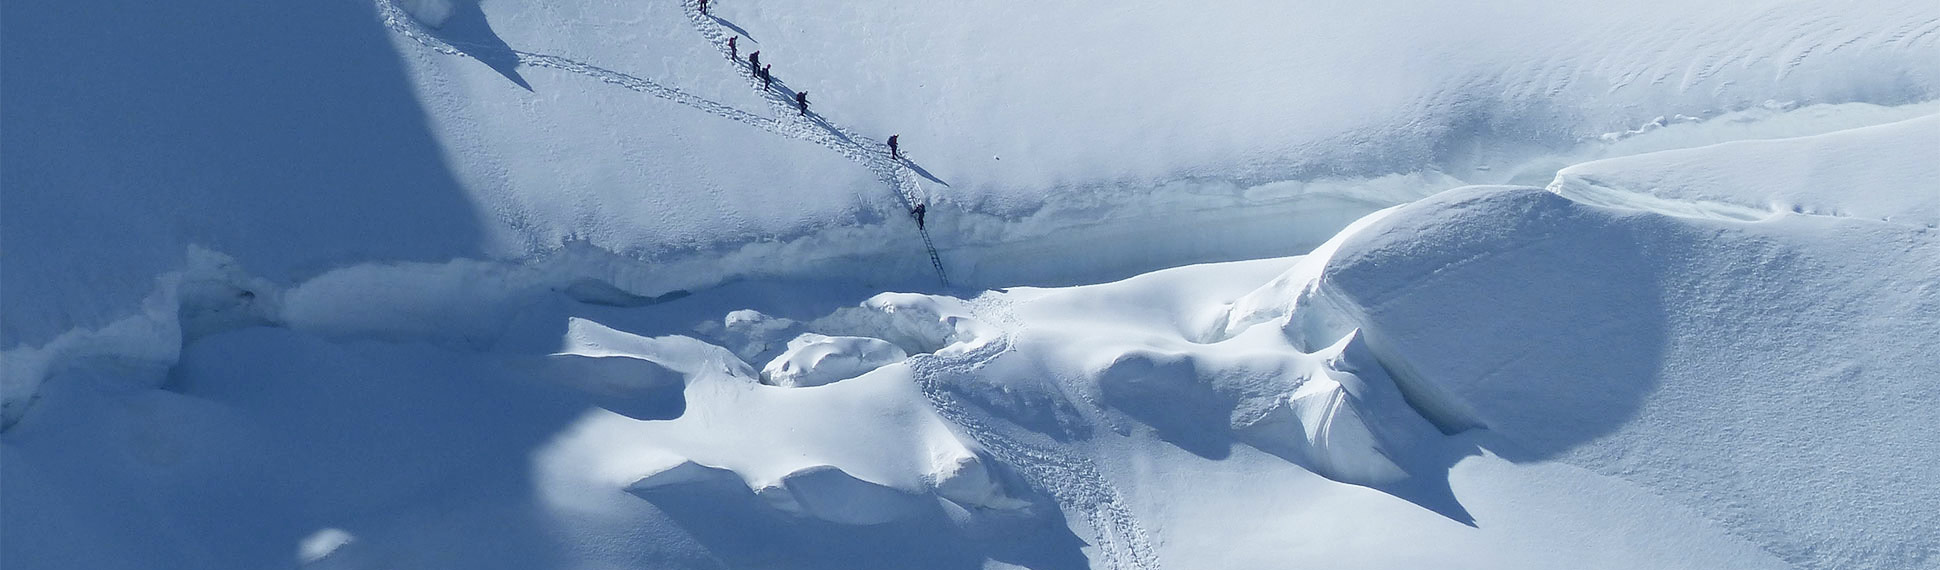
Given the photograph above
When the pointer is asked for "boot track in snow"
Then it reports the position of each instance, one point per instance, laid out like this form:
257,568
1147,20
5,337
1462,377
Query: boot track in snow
1066,477
870,153
1070,479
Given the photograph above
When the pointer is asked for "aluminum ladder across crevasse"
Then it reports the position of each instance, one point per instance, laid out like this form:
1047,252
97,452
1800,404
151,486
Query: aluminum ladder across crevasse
935,261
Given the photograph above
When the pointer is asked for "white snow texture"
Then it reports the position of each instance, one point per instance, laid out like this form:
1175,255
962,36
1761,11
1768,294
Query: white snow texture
361,284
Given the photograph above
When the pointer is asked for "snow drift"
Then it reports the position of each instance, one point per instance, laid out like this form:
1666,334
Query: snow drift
1851,173
460,284
1737,366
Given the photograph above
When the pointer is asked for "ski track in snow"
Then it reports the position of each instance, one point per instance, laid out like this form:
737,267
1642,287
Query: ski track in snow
1070,479
870,153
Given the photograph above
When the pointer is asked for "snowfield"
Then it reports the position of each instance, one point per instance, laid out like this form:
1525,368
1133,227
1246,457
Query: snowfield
1231,284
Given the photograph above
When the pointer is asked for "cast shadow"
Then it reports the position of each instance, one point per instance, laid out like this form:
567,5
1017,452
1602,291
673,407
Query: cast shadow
1169,395
468,30
730,25
918,169
742,531
296,148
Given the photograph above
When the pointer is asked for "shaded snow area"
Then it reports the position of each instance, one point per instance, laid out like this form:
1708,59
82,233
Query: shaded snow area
362,284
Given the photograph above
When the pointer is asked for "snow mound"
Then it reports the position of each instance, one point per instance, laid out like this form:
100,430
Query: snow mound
814,360
1295,297
1850,173
639,377
1645,325
753,336
1132,356
1356,426
919,324
1335,410
864,451
678,356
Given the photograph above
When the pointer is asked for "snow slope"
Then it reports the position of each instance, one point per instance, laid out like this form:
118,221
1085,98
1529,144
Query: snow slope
1776,376
614,143
1851,173
1613,387
496,284
1041,133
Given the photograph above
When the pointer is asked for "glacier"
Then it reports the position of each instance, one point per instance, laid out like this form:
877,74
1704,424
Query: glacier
1231,284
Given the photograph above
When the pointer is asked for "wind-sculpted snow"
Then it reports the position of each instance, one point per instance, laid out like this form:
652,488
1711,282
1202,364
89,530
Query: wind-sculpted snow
727,399
1852,173
956,347
1739,367
443,283
814,360
1005,438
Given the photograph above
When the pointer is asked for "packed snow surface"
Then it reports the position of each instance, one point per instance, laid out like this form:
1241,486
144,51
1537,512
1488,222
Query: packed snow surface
1232,284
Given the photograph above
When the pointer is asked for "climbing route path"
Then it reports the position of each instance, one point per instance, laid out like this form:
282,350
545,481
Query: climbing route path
783,119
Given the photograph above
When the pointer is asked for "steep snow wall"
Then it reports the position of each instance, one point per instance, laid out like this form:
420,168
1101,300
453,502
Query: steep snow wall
340,141
1134,139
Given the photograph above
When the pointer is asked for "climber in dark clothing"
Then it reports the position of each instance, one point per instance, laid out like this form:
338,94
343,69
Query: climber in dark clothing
767,79
732,52
754,59
703,6
917,212
892,149
801,102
